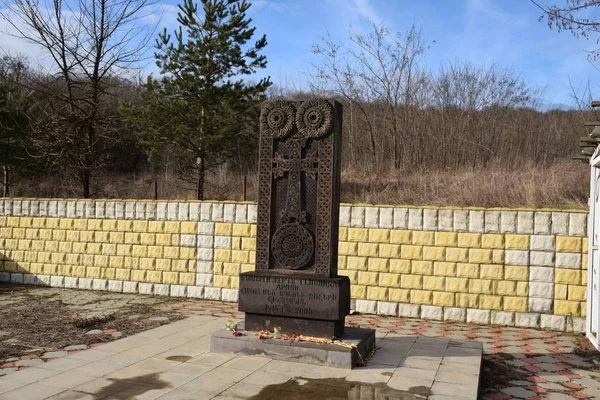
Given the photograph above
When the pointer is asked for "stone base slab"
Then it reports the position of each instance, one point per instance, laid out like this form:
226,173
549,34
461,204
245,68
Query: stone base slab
330,355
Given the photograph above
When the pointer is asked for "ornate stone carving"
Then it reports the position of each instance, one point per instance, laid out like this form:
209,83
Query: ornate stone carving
314,118
276,119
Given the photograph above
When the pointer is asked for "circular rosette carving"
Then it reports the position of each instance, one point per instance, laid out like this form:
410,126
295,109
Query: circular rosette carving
292,246
276,119
314,118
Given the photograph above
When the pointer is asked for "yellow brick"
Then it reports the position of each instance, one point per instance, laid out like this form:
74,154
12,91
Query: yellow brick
467,300
368,249
389,250
109,225
465,270
163,239
171,252
147,263
357,263
423,238
342,262
516,242
368,278
411,282
182,265
123,274
565,307
480,256
506,288
348,248
400,237
148,238
93,272
218,268
560,292
470,240
434,253
483,286
400,266
187,279
170,278
516,273
52,223
399,295
584,279
422,267
582,308
78,271
188,228
101,237
242,230
457,285
57,258
140,226
377,293
240,256
38,245
584,245
38,222
342,234
491,271
72,236
138,275
122,249
124,225
132,238
567,276
187,253
421,296
409,252
116,262
162,264
108,273
443,299
379,235
172,227
222,281
64,270
153,251
253,230
457,254
522,289
46,234
66,223
352,275
358,292
576,293
488,302
101,261
568,244
444,269
57,234
389,280
248,244
222,255
88,260
156,226
378,264
434,283
109,249
492,241
154,276
80,224
116,237
12,221
584,261
223,229
498,256
446,239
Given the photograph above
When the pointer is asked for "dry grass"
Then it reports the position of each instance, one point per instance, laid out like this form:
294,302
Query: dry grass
558,185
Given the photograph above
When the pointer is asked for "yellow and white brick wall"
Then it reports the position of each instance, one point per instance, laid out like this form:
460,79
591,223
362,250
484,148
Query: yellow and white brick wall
510,267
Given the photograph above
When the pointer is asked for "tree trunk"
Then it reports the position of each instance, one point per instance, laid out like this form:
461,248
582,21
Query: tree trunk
200,184
86,181
6,181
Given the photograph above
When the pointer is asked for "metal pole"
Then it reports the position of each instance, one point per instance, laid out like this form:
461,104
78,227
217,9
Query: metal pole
244,187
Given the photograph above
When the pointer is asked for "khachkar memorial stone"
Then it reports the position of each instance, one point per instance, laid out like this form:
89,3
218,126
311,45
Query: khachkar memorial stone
295,285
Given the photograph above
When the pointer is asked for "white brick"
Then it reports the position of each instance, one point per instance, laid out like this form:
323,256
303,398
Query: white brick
26,208
251,213
578,324
204,267
161,211
430,219
100,284
415,218
540,305
229,213
195,211
478,316
80,208
206,241
172,211
206,228
476,221
366,306
204,279
461,220
455,314
130,210
71,209
386,217
560,223
2,207
34,208
28,279
525,222
445,220
115,286
542,242
43,208
44,280
543,290
432,312
189,240
541,258
90,209
503,318
178,291
553,322
568,260
516,257
578,224
206,212
130,287
223,242
57,281
217,212
542,223
140,209
492,221
110,210
146,288
400,218
211,293
53,208
527,320
241,213
196,292
230,295
183,212
387,308
352,306
345,216
541,274
16,277
371,217
161,290
16,208
100,209
151,211
205,254
120,210
84,283
71,282
357,217
61,209
409,310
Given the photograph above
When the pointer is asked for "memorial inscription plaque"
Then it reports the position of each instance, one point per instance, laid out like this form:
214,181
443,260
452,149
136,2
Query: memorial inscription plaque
295,284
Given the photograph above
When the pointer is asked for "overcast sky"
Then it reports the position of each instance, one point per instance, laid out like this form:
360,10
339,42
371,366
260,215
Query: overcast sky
505,32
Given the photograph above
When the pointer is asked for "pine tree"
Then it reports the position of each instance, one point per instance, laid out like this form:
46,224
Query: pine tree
201,108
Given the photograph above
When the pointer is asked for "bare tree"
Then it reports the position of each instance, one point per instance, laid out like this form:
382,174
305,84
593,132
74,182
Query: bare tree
89,42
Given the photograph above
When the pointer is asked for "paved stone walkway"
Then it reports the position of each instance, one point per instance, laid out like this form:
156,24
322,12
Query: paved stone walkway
518,363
